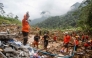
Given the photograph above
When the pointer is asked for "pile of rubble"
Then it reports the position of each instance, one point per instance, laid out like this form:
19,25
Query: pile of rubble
9,48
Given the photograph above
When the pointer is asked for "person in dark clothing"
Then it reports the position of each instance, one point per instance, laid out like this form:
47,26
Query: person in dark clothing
25,37
45,37
36,40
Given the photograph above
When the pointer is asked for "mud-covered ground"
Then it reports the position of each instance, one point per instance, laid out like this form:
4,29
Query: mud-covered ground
53,47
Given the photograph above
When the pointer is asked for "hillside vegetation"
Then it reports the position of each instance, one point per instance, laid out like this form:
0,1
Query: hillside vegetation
9,20
64,21
77,17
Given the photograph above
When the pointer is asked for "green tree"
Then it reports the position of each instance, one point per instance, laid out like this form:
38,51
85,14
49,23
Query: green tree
86,17
1,9
10,15
16,17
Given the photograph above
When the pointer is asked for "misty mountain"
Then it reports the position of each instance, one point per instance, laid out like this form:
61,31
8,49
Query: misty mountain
75,6
38,20
43,18
68,20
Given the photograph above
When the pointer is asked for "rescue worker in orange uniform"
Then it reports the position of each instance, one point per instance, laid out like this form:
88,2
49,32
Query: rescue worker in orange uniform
25,28
76,43
66,42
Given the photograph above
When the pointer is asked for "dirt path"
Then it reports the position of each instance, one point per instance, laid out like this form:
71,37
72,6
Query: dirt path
31,39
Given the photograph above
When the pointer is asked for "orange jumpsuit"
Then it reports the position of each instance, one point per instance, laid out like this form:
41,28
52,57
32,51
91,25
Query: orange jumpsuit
25,25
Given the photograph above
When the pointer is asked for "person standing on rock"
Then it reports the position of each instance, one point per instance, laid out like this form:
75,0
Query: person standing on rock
25,28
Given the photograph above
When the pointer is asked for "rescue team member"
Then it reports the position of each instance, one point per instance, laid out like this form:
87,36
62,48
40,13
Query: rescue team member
76,43
45,37
86,45
55,38
36,40
85,37
91,44
25,28
66,41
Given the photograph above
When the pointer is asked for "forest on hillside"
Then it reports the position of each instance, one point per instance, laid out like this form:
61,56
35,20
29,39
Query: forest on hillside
8,18
79,17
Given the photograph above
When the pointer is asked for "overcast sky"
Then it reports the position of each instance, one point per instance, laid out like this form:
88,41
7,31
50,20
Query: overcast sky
35,7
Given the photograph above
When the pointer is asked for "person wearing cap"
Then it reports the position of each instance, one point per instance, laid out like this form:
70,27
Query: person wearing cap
25,28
